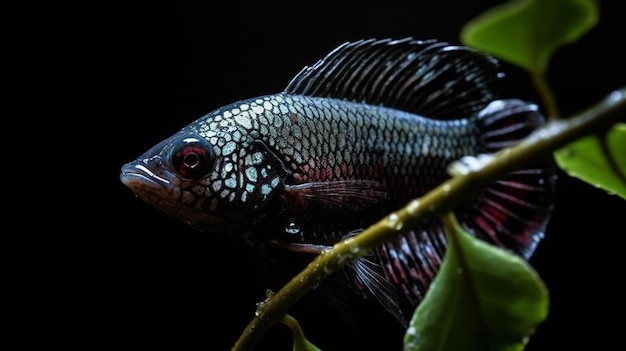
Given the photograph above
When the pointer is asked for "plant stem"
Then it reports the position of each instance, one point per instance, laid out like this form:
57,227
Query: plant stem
538,146
298,334
545,91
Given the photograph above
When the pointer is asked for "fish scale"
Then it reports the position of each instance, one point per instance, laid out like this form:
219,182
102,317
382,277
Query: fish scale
367,128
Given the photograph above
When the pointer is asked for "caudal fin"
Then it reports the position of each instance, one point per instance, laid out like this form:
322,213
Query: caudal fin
514,212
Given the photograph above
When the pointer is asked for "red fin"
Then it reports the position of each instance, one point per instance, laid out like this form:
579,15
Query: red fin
514,212
506,122
412,261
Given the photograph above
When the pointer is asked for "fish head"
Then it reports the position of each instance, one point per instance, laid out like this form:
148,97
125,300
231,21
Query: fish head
212,174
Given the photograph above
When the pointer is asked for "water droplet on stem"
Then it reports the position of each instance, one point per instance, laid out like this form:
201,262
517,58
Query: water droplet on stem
394,222
413,207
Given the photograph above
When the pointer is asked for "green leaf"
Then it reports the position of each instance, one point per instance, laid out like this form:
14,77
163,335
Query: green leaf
483,298
527,32
587,160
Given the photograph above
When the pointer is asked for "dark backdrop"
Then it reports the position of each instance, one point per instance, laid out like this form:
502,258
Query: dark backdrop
166,64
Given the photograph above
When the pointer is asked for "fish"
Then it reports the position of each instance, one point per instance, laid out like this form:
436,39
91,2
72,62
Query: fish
370,126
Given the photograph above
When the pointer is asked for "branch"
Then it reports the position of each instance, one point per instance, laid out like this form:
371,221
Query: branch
539,145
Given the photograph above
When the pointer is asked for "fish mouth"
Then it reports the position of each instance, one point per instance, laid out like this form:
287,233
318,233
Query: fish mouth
161,193
136,175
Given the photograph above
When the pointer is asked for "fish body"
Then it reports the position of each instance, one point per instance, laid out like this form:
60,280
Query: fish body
366,129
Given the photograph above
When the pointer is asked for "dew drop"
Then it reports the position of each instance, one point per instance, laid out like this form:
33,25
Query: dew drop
457,168
344,258
355,248
413,207
468,164
292,229
525,340
259,309
394,222
446,189
260,306
616,95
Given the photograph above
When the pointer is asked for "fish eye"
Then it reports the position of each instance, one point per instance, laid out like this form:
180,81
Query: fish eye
192,157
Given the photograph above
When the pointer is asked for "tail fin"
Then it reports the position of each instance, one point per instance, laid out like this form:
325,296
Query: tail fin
514,212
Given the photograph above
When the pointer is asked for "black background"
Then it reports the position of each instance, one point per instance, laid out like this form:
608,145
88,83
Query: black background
144,279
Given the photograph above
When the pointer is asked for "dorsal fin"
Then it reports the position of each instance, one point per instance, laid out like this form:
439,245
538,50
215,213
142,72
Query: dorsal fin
426,77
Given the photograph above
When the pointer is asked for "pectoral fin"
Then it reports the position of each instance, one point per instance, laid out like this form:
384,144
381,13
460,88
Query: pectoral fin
352,194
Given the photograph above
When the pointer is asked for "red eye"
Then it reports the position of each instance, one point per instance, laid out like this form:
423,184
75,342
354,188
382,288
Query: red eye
192,157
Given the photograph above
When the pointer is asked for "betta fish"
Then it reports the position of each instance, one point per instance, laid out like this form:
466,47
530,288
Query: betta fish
367,128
